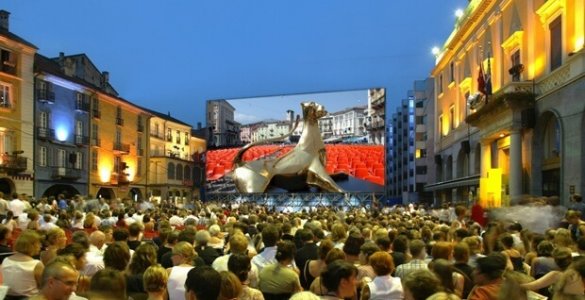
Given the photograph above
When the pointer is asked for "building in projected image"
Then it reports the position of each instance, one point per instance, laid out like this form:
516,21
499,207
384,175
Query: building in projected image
375,116
225,131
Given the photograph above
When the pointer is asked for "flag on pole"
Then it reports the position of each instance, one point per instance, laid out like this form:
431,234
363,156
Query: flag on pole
481,80
488,77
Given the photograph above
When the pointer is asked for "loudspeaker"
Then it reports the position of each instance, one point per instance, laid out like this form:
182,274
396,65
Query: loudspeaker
465,147
438,159
528,118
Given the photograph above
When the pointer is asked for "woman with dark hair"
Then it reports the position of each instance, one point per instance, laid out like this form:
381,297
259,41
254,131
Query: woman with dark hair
340,280
240,265
144,257
313,268
279,280
421,284
351,247
452,281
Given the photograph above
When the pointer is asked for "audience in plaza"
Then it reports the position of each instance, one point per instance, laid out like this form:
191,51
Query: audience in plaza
73,248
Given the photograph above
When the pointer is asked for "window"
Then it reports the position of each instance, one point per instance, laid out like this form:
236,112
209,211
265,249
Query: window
78,160
43,156
452,117
139,142
515,71
118,136
44,119
78,127
178,137
179,172
118,112
186,138
94,160
171,171
440,84
452,72
556,43
117,164
5,100
441,132
61,158
94,131
138,166
169,135
7,62
95,104
187,172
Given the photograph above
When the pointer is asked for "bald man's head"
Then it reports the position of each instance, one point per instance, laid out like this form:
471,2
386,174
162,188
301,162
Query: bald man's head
97,238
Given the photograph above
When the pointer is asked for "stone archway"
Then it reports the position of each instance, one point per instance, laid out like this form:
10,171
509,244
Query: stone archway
547,155
106,193
67,190
7,187
135,194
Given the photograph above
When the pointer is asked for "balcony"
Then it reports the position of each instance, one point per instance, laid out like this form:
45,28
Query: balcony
5,104
119,178
45,95
96,114
119,121
96,142
66,173
121,148
513,96
45,133
157,135
12,163
81,140
82,106
8,67
374,125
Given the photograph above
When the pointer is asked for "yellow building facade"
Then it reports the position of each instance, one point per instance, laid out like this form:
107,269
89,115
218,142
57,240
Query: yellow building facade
118,158
170,166
16,111
526,137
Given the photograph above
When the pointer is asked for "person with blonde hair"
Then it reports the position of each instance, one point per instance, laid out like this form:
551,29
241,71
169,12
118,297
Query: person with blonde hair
182,256
155,280
56,240
20,271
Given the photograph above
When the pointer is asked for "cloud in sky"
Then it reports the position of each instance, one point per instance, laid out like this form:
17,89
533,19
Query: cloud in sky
244,118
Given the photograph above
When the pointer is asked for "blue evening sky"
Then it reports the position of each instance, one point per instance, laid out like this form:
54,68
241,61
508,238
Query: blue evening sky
174,55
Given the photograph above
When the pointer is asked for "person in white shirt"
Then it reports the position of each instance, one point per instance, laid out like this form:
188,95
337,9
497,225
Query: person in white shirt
3,205
95,255
270,236
238,245
17,206
383,286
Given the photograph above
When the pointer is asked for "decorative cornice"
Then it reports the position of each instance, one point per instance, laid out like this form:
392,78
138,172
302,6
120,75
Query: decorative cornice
549,8
513,41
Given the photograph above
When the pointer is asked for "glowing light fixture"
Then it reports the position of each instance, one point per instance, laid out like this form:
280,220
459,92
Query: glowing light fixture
502,135
61,133
459,13
435,51
579,43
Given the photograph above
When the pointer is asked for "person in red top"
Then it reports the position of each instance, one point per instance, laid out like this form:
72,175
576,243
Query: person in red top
478,214
488,277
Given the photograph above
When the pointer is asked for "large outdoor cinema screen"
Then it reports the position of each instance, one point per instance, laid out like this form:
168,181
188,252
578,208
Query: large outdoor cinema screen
314,143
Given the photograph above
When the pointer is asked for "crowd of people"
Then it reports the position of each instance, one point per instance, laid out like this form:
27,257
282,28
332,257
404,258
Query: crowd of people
73,248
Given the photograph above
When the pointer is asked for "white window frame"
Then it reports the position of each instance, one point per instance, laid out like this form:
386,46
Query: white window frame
43,156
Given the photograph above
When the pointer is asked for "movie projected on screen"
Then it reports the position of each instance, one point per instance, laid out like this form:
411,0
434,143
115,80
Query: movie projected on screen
315,143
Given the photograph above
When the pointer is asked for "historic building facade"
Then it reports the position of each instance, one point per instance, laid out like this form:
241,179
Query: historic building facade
170,167
509,118
16,111
61,131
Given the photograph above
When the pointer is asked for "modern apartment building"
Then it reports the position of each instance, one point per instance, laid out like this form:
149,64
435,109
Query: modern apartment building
16,110
510,105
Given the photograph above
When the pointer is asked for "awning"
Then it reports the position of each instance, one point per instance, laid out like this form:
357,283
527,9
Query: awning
455,183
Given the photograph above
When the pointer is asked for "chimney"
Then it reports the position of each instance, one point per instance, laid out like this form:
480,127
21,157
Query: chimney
105,78
4,20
